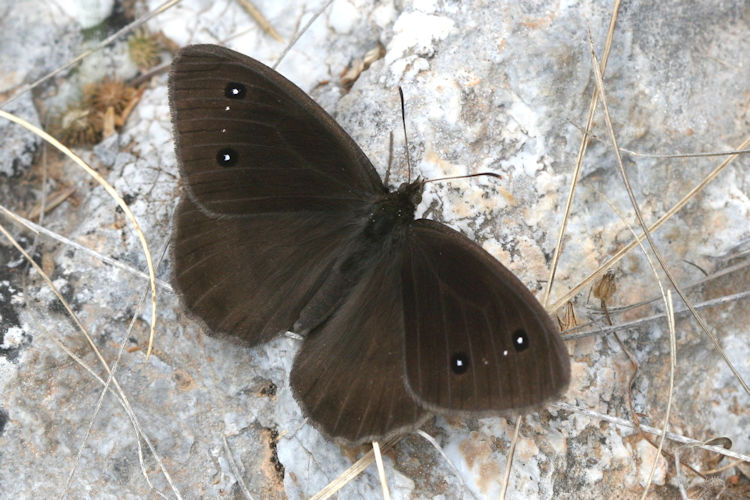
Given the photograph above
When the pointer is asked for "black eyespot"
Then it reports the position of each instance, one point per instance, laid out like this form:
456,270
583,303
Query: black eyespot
226,157
520,340
459,363
235,90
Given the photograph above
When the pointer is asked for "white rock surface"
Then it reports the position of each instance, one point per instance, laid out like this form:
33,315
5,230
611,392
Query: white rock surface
494,86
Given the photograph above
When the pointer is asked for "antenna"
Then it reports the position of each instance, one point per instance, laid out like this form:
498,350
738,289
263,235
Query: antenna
408,163
387,179
406,139
478,174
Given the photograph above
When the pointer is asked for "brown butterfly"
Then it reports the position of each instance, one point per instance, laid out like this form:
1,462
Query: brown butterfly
287,225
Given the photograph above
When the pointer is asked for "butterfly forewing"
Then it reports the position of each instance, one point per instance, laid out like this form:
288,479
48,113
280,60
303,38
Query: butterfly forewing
250,142
476,340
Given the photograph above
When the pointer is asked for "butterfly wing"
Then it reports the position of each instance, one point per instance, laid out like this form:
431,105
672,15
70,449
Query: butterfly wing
477,341
348,375
248,278
273,183
249,141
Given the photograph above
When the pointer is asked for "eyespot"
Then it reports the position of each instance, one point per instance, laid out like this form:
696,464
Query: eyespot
459,363
226,157
520,340
235,90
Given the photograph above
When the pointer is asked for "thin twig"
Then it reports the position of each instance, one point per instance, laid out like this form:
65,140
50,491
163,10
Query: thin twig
262,21
618,256
104,364
440,450
114,194
647,232
677,438
509,458
130,27
668,411
579,162
357,467
654,317
235,469
37,229
667,298
294,39
381,471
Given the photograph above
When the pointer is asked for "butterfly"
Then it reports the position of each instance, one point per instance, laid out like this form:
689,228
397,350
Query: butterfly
286,225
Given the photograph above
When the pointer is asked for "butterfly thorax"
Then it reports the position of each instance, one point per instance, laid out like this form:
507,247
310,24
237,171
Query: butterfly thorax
393,211
382,228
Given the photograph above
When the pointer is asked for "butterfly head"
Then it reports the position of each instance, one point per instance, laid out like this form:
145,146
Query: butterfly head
410,193
404,201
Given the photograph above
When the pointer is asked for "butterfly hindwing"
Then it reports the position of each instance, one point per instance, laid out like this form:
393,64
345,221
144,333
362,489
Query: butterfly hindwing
248,278
476,340
348,374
